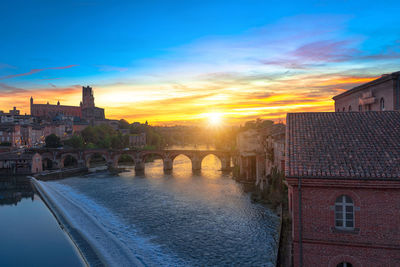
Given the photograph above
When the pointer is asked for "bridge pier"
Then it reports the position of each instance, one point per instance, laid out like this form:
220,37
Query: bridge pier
196,164
139,165
167,162
225,164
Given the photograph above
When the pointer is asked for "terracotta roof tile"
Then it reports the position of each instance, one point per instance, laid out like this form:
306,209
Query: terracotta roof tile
359,145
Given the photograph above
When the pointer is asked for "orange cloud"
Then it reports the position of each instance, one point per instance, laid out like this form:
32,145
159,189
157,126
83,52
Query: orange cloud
190,102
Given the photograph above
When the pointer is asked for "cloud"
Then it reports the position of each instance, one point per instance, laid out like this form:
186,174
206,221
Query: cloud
33,71
294,65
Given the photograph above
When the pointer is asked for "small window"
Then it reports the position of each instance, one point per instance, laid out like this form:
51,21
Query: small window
338,110
359,108
344,213
349,108
344,264
382,104
344,109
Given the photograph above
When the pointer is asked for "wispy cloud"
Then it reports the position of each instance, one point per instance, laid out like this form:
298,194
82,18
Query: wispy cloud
33,71
293,65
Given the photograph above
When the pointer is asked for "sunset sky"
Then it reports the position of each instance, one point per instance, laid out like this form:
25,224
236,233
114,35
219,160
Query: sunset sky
180,62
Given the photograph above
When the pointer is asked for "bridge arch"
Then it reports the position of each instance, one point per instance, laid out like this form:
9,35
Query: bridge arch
69,160
224,160
180,159
211,161
123,158
48,161
152,157
95,158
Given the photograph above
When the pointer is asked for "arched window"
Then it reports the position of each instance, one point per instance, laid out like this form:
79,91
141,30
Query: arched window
344,213
344,264
344,109
382,104
349,108
338,110
359,108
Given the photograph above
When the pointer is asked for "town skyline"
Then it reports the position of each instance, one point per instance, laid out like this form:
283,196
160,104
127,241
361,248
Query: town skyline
260,61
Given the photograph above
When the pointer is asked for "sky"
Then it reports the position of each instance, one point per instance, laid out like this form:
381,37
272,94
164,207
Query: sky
183,62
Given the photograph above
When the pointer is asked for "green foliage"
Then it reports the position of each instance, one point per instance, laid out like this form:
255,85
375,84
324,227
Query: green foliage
76,141
52,141
125,159
99,136
123,124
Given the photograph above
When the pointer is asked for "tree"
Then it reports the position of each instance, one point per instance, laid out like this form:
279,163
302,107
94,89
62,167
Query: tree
123,124
52,141
76,141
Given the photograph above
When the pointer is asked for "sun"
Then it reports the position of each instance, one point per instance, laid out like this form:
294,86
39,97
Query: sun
215,118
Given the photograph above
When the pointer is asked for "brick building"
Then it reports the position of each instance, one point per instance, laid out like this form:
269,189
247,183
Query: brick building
378,95
343,176
20,163
87,109
10,134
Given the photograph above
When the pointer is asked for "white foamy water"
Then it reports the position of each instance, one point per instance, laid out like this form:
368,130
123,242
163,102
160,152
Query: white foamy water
116,243
177,219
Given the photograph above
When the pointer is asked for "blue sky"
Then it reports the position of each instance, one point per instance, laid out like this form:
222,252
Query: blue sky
241,59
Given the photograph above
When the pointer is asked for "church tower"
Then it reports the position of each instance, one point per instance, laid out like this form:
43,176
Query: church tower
87,97
31,105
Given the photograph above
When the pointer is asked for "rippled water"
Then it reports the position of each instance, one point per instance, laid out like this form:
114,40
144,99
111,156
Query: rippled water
179,219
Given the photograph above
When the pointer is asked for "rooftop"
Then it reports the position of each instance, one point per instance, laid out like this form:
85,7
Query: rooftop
381,79
344,145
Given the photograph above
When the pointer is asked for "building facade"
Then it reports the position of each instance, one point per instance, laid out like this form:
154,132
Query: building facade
10,134
259,152
87,109
137,140
343,176
20,163
381,94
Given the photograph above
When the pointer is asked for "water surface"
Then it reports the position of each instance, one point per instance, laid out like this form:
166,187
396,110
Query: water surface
176,219
29,234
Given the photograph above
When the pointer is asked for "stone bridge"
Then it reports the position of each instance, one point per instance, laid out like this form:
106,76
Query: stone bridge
55,158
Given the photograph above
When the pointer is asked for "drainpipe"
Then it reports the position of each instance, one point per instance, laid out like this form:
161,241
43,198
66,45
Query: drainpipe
398,92
300,227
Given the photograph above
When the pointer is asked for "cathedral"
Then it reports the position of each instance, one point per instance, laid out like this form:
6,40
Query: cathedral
86,111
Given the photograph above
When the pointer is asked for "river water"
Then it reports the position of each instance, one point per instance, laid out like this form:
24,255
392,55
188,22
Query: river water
176,219
29,233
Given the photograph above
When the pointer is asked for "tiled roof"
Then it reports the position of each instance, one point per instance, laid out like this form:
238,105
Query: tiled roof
351,145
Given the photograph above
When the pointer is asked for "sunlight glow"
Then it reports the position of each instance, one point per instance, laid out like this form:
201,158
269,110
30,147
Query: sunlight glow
215,118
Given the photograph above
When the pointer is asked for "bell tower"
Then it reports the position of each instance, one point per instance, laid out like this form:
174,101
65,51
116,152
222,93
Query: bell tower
87,97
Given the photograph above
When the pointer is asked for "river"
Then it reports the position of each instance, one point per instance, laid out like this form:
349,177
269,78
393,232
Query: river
29,233
177,219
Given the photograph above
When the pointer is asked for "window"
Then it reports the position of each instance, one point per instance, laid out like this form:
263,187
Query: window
338,110
349,108
344,264
382,104
344,213
359,108
344,109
